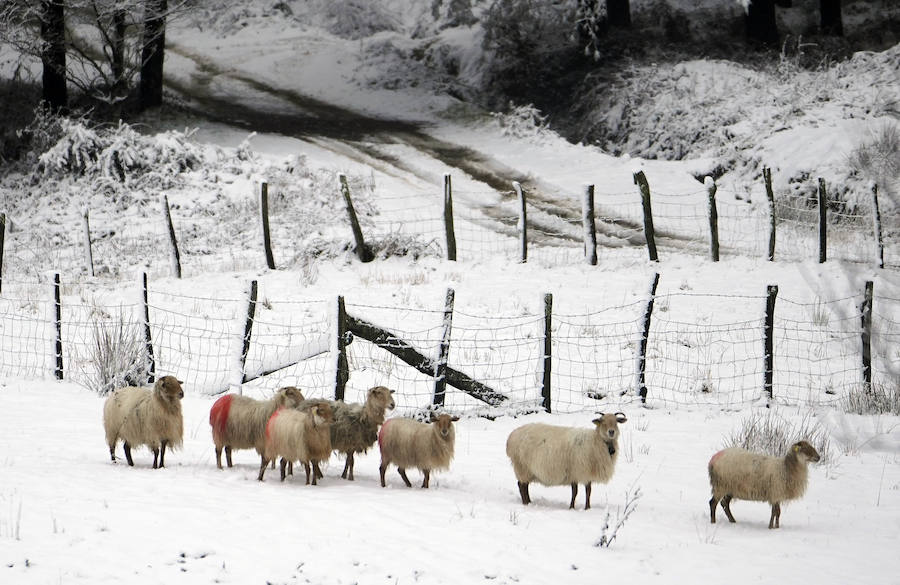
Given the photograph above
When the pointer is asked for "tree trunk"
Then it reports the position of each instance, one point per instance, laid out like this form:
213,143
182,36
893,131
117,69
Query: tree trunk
618,12
761,24
153,53
118,53
53,53
830,15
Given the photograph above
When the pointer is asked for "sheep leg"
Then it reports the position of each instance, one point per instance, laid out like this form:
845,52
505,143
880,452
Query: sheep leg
713,502
162,454
381,469
127,449
726,505
587,496
318,470
112,453
574,493
262,468
427,473
155,457
348,467
227,457
775,518
306,467
219,457
283,468
402,472
523,493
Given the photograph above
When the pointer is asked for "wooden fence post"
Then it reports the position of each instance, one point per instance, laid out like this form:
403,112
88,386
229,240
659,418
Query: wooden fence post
362,251
264,216
88,253
342,371
548,352
248,329
867,337
713,219
2,245
448,219
440,365
590,226
523,224
770,195
876,220
57,301
645,337
649,233
823,229
148,343
176,257
769,343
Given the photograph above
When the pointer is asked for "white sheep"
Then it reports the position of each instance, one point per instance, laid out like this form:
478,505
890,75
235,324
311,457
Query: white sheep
555,455
145,416
239,422
736,473
355,427
298,436
409,443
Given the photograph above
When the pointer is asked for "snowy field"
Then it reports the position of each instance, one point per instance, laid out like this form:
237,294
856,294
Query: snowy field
68,515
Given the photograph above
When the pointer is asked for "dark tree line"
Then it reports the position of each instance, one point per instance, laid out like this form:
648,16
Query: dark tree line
762,26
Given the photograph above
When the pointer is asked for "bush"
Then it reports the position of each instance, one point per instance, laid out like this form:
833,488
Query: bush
772,434
879,399
119,356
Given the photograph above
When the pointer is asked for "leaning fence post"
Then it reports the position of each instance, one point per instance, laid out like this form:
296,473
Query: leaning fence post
823,230
2,245
88,254
448,219
713,219
57,302
523,224
876,219
770,195
867,337
362,251
590,227
649,233
769,342
342,369
440,366
264,217
176,257
645,337
248,329
548,351
148,343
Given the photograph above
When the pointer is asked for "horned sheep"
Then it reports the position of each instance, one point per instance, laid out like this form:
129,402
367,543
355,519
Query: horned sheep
298,436
239,422
145,416
556,455
409,443
736,473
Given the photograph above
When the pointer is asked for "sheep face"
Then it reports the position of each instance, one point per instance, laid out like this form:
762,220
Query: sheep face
443,424
607,425
289,397
322,414
169,388
382,397
803,450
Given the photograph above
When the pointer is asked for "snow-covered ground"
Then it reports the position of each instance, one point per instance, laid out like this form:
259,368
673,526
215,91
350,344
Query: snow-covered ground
68,515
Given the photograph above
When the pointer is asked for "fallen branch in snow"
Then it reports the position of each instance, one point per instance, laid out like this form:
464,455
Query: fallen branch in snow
609,534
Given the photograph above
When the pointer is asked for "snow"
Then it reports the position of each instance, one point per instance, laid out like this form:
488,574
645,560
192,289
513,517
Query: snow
69,515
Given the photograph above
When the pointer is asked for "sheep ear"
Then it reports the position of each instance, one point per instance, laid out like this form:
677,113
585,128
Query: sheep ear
620,417
431,417
454,418
597,421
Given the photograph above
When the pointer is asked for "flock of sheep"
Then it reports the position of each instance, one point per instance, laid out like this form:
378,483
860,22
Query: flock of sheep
308,431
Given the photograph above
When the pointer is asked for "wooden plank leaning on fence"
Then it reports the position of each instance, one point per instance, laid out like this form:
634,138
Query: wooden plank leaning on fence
362,251
649,232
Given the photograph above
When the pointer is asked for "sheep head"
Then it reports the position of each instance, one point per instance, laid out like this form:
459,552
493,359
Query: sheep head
443,423
289,397
805,451
382,397
607,425
322,414
169,389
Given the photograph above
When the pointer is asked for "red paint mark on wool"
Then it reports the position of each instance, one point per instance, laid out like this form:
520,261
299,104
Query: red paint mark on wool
381,432
716,456
218,415
272,420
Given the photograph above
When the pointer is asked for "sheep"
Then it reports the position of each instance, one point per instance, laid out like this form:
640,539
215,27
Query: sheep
298,436
409,443
355,426
744,475
239,422
145,416
555,455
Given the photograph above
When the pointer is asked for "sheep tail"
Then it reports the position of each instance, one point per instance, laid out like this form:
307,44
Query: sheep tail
218,416
381,433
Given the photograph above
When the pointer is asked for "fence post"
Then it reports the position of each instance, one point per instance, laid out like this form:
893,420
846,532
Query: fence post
770,195
148,343
342,371
176,257
713,219
448,219
57,301
645,337
590,227
362,251
248,329
649,233
548,351
440,366
88,254
523,224
876,219
867,337
2,245
822,222
264,216
769,342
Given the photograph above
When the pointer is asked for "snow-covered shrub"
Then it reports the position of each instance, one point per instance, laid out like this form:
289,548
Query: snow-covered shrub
522,122
118,355
356,19
772,434
879,399
878,159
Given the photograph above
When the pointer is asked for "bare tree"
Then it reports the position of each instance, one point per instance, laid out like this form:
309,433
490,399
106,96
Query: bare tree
53,53
831,22
153,53
761,25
